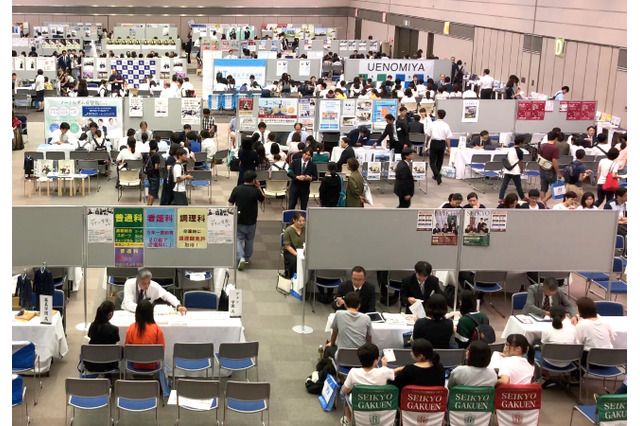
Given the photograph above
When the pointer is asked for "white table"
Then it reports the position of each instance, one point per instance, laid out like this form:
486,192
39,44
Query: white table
534,331
361,151
49,339
65,147
195,327
463,157
386,335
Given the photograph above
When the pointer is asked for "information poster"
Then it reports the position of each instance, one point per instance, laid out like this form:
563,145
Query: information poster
43,167
445,231
364,113
192,228
129,237
419,170
478,223
100,225
88,67
498,221
531,110
307,113
245,106
304,68
349,107
46,64
282,67
160,228
220,225
278,111
470,109
190,111
374,170
136,108
391,174
581,110
79,113
161,107
425,220
102,68
329,115
381,108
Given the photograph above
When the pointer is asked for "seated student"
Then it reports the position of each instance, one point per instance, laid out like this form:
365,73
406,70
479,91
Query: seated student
144,331
426,371
129,153
476,372
466,324
619,203
591,331
278,164
587,202
357,283
102,332
478,141
473,202
509,202
420,285
350,328
194,142
319,156
560,333
83,143
533,203
295,153
455,201
516,364
568,202
540,298
435,327
208,145
369,374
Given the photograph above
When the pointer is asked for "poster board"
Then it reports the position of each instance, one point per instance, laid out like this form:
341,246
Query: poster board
79,112
294,69
553,119
494,115
173,121
240,69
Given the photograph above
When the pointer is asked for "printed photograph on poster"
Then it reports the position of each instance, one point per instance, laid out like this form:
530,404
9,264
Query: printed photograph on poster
419,170
87,67
278,111
30,63
43,167
220,226
476,232
136,107
425,220
364,112
374,170
349,107
190,110
470,110
498,221
391,170
329,115
348,121
245,106
161,107
192,228
102,67
100,225
66,167
445,228
160,224
304,68
307,113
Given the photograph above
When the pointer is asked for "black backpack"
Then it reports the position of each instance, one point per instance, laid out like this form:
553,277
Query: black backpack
569,173
483,332
148,164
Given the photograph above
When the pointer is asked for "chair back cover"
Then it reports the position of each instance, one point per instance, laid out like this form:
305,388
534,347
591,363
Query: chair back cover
518,405
471,405
423,405
374,405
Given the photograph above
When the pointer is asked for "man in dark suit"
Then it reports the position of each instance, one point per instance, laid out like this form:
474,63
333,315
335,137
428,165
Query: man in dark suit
302,171
391,131
64,60
420,285
360,285
346,154
541,297
404,184
402,127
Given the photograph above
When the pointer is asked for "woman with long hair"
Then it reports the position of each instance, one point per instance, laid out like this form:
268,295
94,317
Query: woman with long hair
476,372
435,327
144,331
516,366
102,332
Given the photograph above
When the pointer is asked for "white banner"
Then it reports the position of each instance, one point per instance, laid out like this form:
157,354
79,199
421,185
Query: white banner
305,68
208,77
407,67
161,107
241,69
79,113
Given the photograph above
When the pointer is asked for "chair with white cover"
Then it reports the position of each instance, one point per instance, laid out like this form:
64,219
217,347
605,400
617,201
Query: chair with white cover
129,179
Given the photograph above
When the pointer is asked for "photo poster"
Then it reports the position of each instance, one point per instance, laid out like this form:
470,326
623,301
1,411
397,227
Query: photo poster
329,115
100,225
382,107
470,109
304,68
245,106
530,110
46,64
165,67
425,220
88,67
364,113
79,113
66,167
103,72
43,167
220,225
241,69
278,111
374,170
18,63
499,221
136,106
161,107
282,67
307,113
564,105
192,228
160,228
581,110
419,170
348,120
30,63
190,111
129,237
478,225
445,231
391,171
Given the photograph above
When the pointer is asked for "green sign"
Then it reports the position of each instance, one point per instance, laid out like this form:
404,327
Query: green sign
558,47
129,218
471,398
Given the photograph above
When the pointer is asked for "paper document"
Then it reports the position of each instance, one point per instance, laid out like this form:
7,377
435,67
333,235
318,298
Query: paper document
496,361
525,319
418,309
391,356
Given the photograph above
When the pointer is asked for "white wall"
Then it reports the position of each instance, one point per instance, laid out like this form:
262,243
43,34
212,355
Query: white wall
445,47
382,32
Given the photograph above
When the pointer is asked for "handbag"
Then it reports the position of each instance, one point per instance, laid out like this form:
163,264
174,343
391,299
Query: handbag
558,190
368,197
544,163
610,183
284,285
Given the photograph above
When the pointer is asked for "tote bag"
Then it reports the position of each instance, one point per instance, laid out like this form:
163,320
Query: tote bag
610,183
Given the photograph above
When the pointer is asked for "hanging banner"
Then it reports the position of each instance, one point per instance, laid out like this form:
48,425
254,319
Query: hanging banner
425,220
329,115
477,232
382,107
135,70
304,68
100,225
445,232
190,111
470,110
192,228
161,107
307,113
129,237
136,107
220,226
378,69
79,113
278,111
160,228
364,113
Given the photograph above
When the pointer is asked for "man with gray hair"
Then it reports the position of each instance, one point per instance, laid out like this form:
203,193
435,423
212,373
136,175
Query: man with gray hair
143,288
541,297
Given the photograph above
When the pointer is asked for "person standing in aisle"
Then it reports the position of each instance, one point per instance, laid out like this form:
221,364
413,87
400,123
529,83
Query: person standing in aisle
180,177
302,171
246,198
439,137
514,160
404,185
486,85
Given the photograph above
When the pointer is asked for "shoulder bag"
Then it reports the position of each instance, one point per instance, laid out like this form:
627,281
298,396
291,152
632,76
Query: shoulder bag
610,183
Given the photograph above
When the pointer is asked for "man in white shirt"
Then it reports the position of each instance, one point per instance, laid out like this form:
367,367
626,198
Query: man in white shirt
143,288
486,85
439,134
143,129
187,85
208,145
559,96
263,133
469,94
298,129
62,136
231,55
168,91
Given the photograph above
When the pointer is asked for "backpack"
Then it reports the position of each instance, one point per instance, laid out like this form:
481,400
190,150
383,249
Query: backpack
324,368
149,167
569,173
483,332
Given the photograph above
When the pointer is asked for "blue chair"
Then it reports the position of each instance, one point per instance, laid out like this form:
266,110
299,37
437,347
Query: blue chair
617,286
89,168
553,356
137,396
345,360
18,395
595,413
518,300
143,354
326,283
247,398
605,364
287,217
25,360
199,299
197,389
476,165
489,282
237,357
609,309
192,358
109,355
87,394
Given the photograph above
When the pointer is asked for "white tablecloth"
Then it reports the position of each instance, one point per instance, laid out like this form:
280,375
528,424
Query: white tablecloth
463,157
385,335
534,331
194,327
361,152
49,339
66,148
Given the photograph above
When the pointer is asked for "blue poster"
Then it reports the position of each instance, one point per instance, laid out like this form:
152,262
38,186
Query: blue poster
98,111
160,228
382,107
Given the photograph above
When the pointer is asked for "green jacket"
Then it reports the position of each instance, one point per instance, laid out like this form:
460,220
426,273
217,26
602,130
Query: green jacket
355,189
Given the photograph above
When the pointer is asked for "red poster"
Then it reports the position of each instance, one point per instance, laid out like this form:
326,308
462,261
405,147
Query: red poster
530,110
574,110
588,111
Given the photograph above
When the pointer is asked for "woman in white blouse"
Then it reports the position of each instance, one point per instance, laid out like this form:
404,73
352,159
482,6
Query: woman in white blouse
129,153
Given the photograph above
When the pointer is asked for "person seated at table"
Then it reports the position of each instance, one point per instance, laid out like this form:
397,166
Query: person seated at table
509,202
293,239
144,331
273,147
435,327
359,284
102,332
297,130
426,371
559,333
419,286
455,201
516,364
350,327
319,155
359,136
478,141
143,129
143,288
533,203
347,153
473,202
129,153
591,331
476,372
470,318
62,135
541,297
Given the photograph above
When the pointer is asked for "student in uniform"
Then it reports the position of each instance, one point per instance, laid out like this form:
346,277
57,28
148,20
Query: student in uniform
179,177
426,371
476,372
516,366
533,203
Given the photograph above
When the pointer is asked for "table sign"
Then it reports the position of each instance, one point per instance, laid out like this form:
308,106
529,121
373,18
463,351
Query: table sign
46,302
235,303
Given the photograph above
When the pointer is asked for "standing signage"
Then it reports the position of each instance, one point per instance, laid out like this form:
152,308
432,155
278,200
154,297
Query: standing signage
378,69
46,314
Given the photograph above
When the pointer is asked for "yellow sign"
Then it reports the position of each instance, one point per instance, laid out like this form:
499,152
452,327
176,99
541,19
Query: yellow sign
192,228
558,47
445,31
